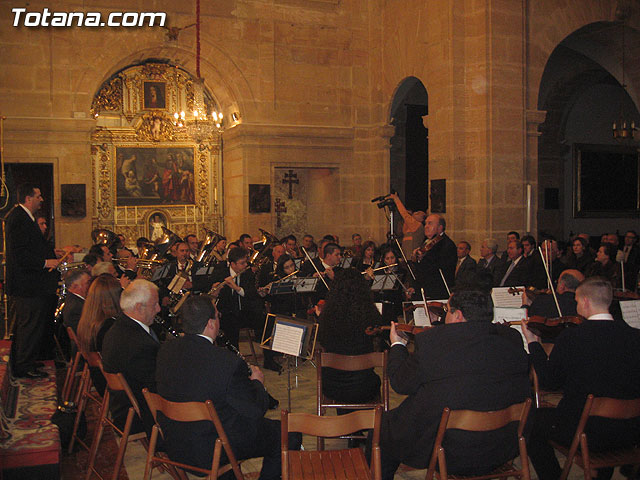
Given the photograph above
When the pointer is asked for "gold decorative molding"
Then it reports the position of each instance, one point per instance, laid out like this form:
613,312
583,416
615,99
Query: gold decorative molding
156,127
109,97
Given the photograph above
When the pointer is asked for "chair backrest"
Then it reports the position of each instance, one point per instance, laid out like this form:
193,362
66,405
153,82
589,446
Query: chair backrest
117,383
72,336
353,362
93,359
613,407
332,426
475,421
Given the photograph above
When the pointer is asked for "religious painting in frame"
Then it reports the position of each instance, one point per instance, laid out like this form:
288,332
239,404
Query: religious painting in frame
259,198
147,176
73,200
154,95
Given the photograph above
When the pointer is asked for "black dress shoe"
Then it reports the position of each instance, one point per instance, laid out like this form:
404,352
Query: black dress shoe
32,373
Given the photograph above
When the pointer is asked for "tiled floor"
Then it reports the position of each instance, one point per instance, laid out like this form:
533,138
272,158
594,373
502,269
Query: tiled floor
303,399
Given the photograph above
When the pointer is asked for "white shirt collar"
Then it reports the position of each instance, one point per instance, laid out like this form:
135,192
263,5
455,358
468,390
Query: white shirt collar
325,265
515,262
208,338
28,212
79,296
601,316
232,272
146,327
488,260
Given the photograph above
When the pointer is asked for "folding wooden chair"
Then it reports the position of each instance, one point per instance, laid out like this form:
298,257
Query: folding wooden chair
115,383
188,412
92,359
579,453
347,463
474,421
69,396
351,363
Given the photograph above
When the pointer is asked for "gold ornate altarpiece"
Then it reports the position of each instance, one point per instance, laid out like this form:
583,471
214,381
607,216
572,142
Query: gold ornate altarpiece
126,119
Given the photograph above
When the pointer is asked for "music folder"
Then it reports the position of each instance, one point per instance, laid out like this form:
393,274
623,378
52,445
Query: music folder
305,284
278,288
289,335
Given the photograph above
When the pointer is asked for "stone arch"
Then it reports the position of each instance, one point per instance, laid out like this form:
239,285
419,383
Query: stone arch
582,70
409,144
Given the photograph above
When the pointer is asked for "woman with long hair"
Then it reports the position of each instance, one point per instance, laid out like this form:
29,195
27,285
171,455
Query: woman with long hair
100,307
368,257
579,257
348,311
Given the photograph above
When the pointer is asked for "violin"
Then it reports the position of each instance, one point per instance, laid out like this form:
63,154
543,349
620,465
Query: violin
400,327
429,244
548,327
320,307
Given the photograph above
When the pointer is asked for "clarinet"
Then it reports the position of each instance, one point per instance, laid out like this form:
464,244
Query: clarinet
162,323
230,346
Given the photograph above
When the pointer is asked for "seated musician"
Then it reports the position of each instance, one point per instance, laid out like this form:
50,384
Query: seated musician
290,245
467,363
309,245
77,282
193,369
267,272
234,285
403,289
368,257
579,257
327,266
348,311
130,347
544,304
194,246
599,357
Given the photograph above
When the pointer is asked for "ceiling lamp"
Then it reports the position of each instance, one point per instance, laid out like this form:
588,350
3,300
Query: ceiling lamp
624,128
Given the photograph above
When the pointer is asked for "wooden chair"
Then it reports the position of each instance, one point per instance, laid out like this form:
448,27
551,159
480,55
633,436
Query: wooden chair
543,398
69,396
347,463
474,421
351,363
92,359
579,453
115,383
188,412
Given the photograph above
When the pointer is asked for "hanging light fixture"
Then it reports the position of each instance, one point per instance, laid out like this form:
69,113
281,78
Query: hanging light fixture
200,124
624,128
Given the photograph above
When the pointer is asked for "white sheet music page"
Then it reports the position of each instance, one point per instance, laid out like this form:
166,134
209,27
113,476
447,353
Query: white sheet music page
379,307
631,312
502,298
287,338
420,317
502,314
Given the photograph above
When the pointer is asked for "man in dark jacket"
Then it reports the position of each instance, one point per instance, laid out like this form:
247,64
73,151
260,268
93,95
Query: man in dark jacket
467,363
193,369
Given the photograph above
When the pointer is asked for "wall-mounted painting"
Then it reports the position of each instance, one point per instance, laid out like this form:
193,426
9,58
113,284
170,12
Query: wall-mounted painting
155,222
154,176
155,95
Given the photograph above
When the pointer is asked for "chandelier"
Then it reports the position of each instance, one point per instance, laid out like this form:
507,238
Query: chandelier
200,125
623,128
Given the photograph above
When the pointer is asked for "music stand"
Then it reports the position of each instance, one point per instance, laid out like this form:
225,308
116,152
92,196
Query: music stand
293,337
384,282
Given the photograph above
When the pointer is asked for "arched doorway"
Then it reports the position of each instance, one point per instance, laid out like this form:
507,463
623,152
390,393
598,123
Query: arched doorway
409,154
581,91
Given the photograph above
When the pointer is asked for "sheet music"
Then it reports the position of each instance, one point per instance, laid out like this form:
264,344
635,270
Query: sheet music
346,262
631,312
420,317
297,262
287,338
379,307
305,285
504,314
502,298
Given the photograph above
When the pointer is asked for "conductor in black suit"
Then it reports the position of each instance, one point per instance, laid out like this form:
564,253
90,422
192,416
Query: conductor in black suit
193,369
238,300
438,254
467,363
30,284
130,347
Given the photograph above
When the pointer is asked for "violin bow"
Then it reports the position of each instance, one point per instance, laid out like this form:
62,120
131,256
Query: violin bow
315,268
405,260
546,270
445,282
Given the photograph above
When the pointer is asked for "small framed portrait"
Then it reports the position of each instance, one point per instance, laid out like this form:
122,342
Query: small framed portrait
154,97
259,198
157,220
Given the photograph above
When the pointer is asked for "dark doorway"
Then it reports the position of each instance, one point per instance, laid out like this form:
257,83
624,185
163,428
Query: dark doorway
39,173
409,157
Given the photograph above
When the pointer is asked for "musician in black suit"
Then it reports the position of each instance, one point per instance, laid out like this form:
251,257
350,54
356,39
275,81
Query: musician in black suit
437,254
30,284
466,265
467,363
193,369
77,283
630,256
327,266
238,300
130,347
489,260
600,357
515,272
